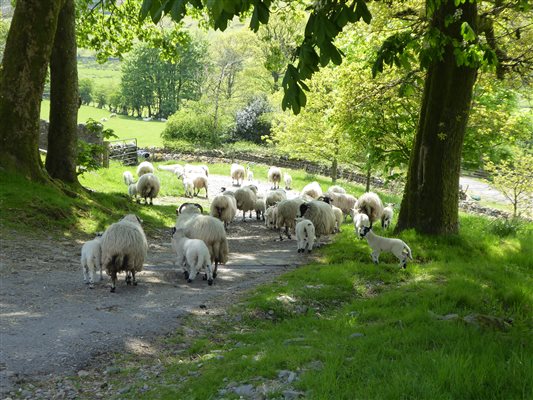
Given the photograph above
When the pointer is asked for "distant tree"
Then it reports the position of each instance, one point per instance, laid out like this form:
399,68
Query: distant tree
4,28
101,96
251,122
86,90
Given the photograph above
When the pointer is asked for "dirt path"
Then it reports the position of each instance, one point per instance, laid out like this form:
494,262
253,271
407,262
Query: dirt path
52,324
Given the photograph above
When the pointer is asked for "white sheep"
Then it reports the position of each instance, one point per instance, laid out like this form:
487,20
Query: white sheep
176,169
224,207
274,176
246,198
124,248
249,174
388,214
287,211
206,228
305,235
193,255
196,169
188,185
148,187
321,215
336,189
200,182
273,197
346,202
379,244
145,167
288,181
313,190
370,204
91,260
237,174
260,208
339,217
271,217
360,220
132,186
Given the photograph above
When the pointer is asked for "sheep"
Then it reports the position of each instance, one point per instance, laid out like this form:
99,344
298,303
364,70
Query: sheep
346,202
170,167
196,169
339,217
371,205
128,178
249,174
145,167
188,185
313,190
224,207
246,198
91,260
200,182
193,255
274,176
237,174
288,181
260,209
379,244
124,248
360,220
386,217
271,216
206,228
132,186
274,197
148,187
321,215
305,235
336,189
287,211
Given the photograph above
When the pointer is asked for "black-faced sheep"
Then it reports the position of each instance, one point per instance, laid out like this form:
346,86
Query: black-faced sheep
237,174
370,204
206,228
145,167
193,255
321,215
313,190
91,260
274,176
346,202
124,248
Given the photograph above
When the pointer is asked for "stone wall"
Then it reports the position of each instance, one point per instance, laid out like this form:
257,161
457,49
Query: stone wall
83,134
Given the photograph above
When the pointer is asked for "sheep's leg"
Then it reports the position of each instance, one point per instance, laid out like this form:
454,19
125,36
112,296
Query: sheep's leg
113,281
209,274
244,216
287,232
128,278
375,256
91,267
216,268
133,278
84,269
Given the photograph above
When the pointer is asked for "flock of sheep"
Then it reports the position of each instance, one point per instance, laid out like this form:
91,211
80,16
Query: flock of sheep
199,241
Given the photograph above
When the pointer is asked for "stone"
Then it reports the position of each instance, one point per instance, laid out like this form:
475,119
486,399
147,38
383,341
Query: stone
245,390
82,373
356,335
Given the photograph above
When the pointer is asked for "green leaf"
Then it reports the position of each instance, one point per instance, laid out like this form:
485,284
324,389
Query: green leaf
145,8
361,11
467,32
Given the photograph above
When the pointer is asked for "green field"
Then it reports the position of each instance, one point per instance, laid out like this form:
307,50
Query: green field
147,133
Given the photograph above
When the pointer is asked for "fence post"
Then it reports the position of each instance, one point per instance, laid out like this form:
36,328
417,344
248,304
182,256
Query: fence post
105,154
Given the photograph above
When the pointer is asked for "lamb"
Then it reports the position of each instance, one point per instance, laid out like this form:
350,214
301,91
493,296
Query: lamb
339,217
249,174
200,182
386,217
346,202
260,208
145,167
274,176
224,207
246,198
237,174
336,189
321,215
288,181
287,211
271,216
305,235
313,190
174,168
124,248
206,228
132,187
274,197
360,220
193,255
371,205
188,185
196,169
148,187
379,244
91,260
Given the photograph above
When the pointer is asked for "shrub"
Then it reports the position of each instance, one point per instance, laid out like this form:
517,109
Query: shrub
506,227
253,121
190,126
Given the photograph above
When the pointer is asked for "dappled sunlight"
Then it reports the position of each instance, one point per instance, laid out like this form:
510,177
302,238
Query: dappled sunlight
15,315
139,346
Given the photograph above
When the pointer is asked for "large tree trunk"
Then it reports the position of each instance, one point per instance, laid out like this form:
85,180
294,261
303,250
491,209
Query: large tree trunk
430,201
62,134
26,56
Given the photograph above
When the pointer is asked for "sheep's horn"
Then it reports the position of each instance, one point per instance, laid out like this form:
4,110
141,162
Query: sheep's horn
199,207
178,211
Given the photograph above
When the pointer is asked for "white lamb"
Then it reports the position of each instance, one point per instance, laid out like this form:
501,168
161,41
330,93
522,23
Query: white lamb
360,220
274,176
124,248
193,255
305,235
91,260
379,244
145,167
196,169
313,190
388,214
260,209
237,174
132,186
339,217
288,181
271,216
249,174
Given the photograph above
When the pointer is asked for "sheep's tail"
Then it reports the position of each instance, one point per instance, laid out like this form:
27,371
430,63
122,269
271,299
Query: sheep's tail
408,251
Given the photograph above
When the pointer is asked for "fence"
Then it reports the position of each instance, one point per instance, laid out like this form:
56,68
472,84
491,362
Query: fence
124,151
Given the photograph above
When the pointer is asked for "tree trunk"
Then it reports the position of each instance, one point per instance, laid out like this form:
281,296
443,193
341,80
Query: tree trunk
368,177
62,134
26,57
334,170
430,200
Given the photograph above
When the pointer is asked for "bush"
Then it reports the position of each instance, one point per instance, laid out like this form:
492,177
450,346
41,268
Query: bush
253,121
190,126
506,227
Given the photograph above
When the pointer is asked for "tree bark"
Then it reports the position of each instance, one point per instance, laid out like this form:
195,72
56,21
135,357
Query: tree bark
430,201
26,57
62,134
